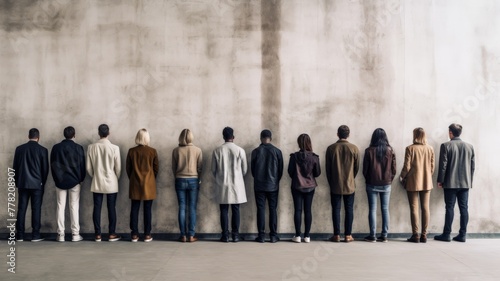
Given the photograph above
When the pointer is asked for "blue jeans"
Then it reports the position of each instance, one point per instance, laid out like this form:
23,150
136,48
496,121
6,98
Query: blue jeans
372,193
187,195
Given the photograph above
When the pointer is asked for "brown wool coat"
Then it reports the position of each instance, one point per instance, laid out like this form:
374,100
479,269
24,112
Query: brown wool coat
142,168
418,167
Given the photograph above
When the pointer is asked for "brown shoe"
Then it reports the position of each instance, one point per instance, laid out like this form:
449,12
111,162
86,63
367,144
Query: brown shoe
182,239
423,238
192,239
134,238
98,238
335,238
114,237
148,238
414,238
348,238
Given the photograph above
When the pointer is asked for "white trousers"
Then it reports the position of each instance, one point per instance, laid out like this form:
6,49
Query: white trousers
74,206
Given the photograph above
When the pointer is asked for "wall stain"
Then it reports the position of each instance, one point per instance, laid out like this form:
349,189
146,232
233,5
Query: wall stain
271,66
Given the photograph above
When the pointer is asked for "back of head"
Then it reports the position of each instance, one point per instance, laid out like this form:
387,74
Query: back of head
455,129
304,142
228,133
142,137
186,137
69,132
266,134
343,132
33,134
381,142
419,136
103,130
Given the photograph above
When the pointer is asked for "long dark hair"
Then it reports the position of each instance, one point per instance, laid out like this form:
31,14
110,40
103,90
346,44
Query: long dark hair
304,142
380,141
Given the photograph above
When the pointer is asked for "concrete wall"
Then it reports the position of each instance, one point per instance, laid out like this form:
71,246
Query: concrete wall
291,66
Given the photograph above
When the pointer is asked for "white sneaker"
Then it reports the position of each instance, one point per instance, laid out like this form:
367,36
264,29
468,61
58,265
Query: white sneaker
60,237
76,238
296,239
307,239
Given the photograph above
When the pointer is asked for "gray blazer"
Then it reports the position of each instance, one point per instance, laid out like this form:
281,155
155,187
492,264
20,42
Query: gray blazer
456,164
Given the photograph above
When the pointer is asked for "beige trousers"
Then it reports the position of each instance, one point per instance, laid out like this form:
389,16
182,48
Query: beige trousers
413,199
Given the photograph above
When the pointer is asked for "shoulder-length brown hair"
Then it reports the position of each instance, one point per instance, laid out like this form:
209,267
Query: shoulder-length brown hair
304,142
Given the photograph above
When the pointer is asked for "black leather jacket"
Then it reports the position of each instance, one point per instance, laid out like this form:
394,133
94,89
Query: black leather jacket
267,167
67,163
31,164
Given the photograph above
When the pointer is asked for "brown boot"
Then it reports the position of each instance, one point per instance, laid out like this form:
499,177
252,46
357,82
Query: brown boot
423,238
414,238
348,238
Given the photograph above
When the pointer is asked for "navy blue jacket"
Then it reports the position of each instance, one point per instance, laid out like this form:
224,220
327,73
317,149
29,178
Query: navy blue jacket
31,164
67,162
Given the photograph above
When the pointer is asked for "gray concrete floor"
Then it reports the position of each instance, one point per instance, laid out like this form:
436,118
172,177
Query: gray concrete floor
477,259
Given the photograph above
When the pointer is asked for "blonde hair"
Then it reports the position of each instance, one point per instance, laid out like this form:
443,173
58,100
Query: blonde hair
142,137
419,136
186,137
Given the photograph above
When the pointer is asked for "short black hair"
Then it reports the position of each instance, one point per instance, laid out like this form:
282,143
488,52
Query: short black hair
343,132
103,130
266,134
228,133
69,132
34,134
455,129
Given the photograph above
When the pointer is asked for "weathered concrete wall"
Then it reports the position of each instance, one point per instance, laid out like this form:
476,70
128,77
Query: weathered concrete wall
290,66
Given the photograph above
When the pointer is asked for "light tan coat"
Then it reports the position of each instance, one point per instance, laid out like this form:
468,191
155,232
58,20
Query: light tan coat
418,167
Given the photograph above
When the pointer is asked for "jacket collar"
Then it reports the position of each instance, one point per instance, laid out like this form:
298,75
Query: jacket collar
345,141
455,139
103,141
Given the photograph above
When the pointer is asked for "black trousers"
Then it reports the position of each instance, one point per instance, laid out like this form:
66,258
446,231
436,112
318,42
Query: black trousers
36,197
302,201
272,201
134,216
451,196
96,215
336,200
235,219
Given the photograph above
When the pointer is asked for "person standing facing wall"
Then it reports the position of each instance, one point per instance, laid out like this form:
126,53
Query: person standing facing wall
229,166
67,162
416,177
142,169
187,164
104,166
267,170
342,165
456,170
379,169
31,165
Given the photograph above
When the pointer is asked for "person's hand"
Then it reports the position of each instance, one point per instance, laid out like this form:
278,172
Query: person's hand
440,184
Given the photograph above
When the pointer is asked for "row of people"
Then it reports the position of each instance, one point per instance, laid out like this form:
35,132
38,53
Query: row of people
69,166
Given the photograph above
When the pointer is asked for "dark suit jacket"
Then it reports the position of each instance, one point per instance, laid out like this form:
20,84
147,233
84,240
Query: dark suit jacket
31,162
456,164
67,163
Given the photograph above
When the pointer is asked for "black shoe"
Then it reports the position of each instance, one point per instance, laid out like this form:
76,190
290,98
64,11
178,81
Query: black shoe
382,239
224,239
370,239
19,237
274,239
414,238
459,238
259,239
236,238
37,238
442,237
